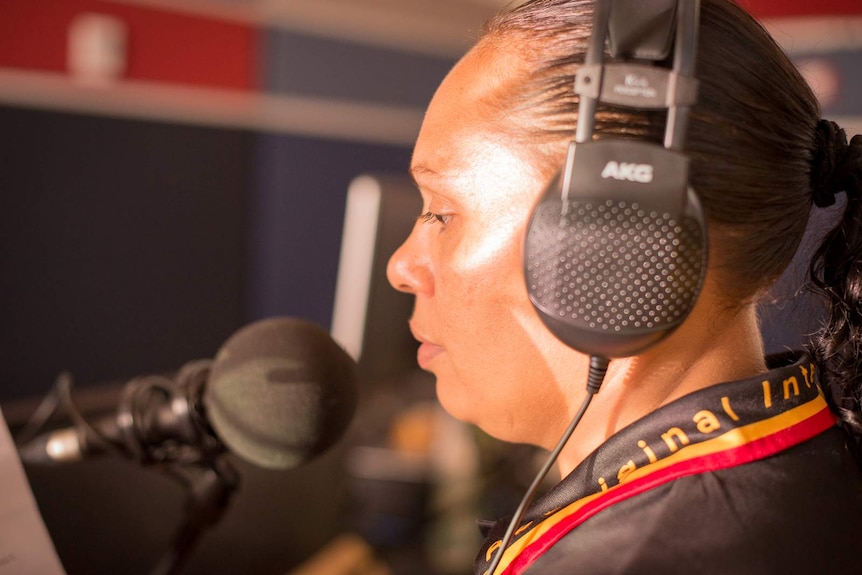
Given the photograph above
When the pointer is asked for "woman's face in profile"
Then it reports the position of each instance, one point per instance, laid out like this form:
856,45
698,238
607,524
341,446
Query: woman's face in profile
479,335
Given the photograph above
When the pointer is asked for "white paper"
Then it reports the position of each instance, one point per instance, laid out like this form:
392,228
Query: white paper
25,545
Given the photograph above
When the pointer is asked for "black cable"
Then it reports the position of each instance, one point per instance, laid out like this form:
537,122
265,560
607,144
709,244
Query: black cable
46,409
60,400
598,368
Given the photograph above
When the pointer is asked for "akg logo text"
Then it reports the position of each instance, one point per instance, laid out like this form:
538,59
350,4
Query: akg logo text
635,86
641,173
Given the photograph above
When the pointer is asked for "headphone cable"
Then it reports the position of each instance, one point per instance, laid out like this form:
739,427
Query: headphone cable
598,368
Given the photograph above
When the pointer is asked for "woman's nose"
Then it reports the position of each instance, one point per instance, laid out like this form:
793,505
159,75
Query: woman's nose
408,269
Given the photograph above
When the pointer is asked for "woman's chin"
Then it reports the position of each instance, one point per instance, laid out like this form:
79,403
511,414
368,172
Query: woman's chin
455,403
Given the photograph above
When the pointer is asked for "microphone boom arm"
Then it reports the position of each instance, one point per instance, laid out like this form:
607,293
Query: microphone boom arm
175,439
209,487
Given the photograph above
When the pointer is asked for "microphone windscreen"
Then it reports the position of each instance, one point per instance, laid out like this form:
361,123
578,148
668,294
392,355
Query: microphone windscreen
280,392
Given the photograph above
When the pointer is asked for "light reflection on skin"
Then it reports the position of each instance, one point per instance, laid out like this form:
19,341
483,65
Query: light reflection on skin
492,356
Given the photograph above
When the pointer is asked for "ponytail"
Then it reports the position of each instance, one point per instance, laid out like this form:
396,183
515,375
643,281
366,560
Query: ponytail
836,275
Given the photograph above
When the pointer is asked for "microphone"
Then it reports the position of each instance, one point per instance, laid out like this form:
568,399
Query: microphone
279,392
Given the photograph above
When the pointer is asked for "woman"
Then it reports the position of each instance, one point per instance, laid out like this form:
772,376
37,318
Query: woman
699,454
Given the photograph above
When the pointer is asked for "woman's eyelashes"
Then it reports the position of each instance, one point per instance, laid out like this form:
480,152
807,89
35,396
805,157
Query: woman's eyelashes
431,218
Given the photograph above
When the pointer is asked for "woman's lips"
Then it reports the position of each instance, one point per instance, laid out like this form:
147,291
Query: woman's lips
427,350
426,354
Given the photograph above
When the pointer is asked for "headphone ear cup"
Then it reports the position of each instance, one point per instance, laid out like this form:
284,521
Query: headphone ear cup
610,275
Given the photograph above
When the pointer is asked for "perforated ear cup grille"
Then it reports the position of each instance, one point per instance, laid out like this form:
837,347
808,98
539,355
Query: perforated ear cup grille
613,267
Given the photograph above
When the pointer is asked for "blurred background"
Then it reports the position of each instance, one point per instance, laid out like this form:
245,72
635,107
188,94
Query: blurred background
175,169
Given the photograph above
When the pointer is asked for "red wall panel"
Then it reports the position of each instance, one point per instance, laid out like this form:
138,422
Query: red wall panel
783,8
162,45
181,48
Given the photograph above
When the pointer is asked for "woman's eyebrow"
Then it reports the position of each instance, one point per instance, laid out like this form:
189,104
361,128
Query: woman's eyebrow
419,171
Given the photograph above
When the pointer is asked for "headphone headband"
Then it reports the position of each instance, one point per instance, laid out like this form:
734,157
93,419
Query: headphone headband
641,29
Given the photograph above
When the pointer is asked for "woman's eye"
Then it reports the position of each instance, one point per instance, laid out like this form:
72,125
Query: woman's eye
430,218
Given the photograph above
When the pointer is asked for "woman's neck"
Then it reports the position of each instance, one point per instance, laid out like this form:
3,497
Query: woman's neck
706,350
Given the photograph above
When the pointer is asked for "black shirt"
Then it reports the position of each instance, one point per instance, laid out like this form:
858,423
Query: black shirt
751,476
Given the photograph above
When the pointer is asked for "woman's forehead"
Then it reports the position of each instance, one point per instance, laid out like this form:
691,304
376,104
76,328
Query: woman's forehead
468,108
481,82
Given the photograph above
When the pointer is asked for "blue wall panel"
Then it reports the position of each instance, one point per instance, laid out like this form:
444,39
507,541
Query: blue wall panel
306,65
297,216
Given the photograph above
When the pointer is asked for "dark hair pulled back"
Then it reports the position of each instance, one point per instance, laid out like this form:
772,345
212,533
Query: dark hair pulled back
760,158
836,273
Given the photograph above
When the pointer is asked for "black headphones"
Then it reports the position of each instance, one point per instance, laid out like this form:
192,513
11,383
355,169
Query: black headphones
616,248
